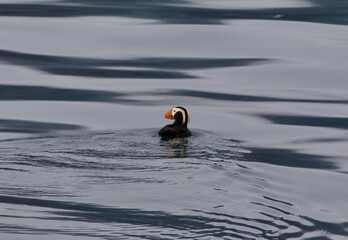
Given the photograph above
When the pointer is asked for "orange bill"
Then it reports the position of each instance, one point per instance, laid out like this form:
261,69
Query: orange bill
168,114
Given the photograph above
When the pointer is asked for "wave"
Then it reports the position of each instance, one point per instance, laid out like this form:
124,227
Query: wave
43,93
204,187
309,121
34,127
179,11
156,68
271,223
99,150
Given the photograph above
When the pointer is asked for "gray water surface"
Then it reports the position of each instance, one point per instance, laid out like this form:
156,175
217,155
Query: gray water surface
84,86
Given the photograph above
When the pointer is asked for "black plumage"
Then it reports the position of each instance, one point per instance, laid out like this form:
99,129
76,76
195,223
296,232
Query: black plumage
179,128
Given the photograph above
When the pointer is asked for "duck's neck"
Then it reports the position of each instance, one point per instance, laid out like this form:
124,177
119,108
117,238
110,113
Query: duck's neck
178,122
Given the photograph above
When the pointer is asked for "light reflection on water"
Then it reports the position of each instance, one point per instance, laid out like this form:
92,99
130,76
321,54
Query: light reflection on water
265,85
202,187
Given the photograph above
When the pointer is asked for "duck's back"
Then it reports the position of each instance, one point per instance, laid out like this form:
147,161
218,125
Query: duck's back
174,131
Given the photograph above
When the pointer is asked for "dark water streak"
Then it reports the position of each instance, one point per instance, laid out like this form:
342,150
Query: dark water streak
309,121
157,68
204,225
38,93
176,11
245,98
290,158
34,127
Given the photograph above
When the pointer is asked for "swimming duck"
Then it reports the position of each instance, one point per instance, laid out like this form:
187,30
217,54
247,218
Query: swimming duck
179,128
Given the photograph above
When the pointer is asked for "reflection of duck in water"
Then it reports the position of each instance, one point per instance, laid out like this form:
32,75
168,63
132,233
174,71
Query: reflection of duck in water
179,128
175,147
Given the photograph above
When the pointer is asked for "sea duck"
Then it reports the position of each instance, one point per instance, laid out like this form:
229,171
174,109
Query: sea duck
179,128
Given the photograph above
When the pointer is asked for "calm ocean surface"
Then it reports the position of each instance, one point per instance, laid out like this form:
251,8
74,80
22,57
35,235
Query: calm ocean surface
84,86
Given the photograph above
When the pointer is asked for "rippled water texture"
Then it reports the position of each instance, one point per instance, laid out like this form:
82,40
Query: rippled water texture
84,85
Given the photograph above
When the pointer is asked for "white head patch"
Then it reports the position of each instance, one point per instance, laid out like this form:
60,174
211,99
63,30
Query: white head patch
175,110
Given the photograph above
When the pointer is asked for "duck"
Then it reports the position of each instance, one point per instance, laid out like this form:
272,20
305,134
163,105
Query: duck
178,129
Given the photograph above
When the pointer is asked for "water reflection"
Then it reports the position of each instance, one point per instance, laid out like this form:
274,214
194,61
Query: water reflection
243,98
311,121
130,184
22,126
175,148
156,68
124,160
80,152
201,224
178,11
289,158
37,93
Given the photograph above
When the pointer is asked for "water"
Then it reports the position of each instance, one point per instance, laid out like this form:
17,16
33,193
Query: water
83,89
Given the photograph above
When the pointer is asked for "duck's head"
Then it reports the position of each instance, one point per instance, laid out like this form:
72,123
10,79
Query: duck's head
180,114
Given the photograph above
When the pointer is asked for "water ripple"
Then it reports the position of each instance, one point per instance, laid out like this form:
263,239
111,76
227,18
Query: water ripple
311,121
128,146
244,98
217,195
156,68
206,224
39,93
34,127
42,93
178,11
